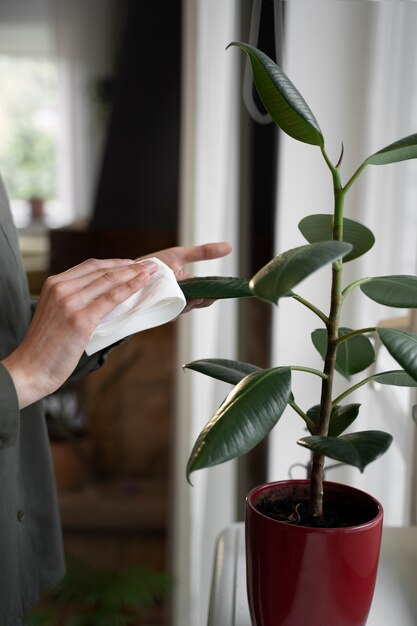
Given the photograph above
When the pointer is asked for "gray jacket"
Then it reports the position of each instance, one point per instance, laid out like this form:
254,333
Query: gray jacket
31,554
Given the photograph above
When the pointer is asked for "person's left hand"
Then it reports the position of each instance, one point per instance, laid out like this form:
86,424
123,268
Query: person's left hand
176,258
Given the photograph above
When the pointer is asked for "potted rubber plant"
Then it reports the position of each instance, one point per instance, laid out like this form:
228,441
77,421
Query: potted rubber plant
312,546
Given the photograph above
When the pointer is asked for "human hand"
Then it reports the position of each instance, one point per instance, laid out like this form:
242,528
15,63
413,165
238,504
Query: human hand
70,306
176,258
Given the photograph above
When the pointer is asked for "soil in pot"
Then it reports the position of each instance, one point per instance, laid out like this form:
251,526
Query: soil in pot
294,510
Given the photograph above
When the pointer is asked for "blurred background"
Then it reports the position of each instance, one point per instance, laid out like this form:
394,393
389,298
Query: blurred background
126,127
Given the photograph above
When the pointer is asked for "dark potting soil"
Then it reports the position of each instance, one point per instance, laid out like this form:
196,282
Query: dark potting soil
295,511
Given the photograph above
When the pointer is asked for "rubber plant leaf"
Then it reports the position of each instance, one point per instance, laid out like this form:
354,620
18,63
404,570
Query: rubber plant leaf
353,355
281,99
280,275
357,449
216,287
402,346
223,369
319,227
395,291
342,416
401,150
395,378
247,415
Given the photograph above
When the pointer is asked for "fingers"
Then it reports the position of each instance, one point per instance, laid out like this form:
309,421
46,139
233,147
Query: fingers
197,304
178,256
91,265
96,283
206,252
115,295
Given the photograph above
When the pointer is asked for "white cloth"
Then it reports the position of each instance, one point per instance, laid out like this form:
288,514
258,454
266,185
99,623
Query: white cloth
160,301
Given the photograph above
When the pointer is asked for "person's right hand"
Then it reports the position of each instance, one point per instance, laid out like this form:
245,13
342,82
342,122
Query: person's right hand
70,306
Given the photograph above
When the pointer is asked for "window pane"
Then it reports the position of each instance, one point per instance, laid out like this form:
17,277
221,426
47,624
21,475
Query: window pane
29,118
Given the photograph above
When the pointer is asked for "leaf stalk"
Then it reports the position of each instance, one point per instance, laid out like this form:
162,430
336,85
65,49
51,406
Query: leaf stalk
310,306
353,333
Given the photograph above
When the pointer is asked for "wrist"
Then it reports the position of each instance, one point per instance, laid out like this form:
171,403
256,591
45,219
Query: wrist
27,391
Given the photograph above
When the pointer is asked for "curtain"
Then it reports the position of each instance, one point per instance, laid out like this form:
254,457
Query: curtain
208,202
355,64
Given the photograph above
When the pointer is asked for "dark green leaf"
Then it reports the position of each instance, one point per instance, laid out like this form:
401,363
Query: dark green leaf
353,355
247,415
281,99
358,449
396,378
401,150
319,227
402,346
395,291
341,417
223,369
215,287
280,275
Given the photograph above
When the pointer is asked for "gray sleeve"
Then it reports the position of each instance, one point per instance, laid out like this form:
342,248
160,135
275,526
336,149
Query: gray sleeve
9,410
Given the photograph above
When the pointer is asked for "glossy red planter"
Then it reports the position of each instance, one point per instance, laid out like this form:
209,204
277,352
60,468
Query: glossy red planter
301,576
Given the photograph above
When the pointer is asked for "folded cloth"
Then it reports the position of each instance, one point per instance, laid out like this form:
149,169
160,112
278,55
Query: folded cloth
160,301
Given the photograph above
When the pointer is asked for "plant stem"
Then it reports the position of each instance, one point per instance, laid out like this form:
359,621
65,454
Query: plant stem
317,471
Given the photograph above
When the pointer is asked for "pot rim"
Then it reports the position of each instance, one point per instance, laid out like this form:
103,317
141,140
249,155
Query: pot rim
341,486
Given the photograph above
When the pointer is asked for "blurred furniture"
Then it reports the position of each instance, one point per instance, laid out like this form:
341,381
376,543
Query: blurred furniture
395,600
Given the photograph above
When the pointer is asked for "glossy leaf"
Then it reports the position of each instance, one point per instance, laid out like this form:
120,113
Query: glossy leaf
353,355
281,99
247,415
401,150
319,227
395,291
396,378
402,346
223,369
358,449
215,287
341,418
280,275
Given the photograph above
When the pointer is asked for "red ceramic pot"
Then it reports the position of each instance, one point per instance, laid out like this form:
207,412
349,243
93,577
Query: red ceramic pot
302,576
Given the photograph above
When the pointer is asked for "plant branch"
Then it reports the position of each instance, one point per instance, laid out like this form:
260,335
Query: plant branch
310,306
